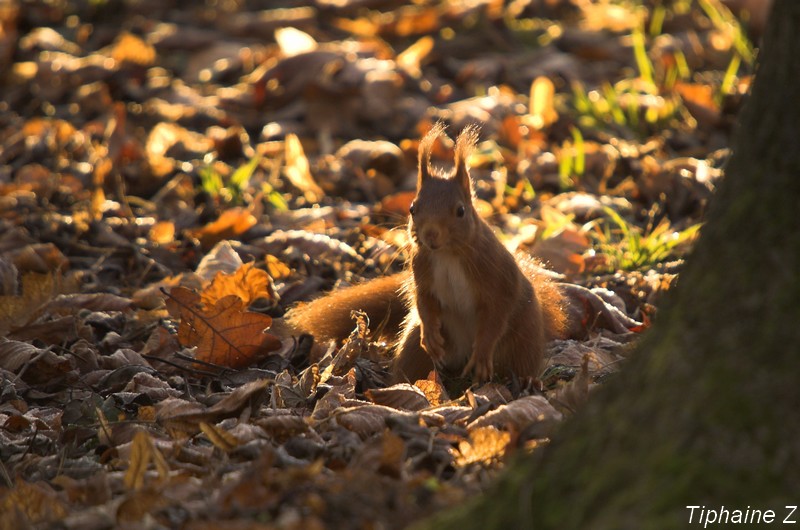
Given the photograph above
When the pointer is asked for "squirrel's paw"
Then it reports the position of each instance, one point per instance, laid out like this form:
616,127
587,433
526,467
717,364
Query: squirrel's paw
480,366
432,341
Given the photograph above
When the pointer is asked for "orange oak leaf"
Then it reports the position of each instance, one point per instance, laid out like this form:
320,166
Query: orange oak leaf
248,283
232,223
224,333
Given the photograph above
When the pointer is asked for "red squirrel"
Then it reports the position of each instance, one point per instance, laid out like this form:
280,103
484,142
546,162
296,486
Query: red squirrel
465,305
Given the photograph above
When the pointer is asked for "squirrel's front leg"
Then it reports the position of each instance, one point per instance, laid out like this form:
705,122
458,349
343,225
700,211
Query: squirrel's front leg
487,335
431,337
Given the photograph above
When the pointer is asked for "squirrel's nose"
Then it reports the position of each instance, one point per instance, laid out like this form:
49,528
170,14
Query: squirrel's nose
432,237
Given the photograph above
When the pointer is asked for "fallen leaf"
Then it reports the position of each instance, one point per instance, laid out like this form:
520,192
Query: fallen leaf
15,354
18,310
248,283
699,99
241,401
486,445
393,451
400,396
571,396
70,303
411,58
541,112
277,269
231,223
433,389
132,49
221,258
298,170
518,414
36,501
163,232
225,334
364,420
398,204
143,452
220,438
283,425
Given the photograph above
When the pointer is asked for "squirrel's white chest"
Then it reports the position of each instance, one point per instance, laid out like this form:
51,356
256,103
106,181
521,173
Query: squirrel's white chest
458,311
451,286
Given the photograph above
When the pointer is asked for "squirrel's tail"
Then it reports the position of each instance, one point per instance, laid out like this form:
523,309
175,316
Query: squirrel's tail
552,299
329,317
554,307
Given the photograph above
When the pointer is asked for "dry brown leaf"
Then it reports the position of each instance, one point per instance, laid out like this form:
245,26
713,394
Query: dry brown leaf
356,346
52,331
104,434
400,396
132,49
283,425
411,58
184,416
298,170
364,420
16,311
571,396
541,112
221,439
143,452
398,203
248,283
589,311
699,99
494,393
42,258
8,278
70,303
413,20
221,258
225,334
36,501
231,223
393,452
180,417
518,414
277,269
242,401
433,389
453,414
139,504
486,445
91,490
163,232
572,353
339,393
15,354
362,27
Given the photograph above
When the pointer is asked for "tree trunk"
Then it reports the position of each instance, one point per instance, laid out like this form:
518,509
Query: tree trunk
705,413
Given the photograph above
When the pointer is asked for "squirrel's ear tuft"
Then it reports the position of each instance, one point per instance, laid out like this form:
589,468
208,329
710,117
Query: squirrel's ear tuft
465,144
425,146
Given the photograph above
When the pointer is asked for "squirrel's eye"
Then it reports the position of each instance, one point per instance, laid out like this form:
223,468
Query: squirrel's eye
411,209
460,211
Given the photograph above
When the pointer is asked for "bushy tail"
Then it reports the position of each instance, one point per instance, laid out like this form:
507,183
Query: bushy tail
551,298
554,307
329,317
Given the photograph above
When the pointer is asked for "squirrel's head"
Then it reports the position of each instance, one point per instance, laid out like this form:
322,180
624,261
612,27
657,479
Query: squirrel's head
442,214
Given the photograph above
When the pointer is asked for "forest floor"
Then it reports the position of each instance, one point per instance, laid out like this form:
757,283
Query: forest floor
167,165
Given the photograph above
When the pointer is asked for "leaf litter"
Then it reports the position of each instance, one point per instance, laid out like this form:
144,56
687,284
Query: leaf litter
173,180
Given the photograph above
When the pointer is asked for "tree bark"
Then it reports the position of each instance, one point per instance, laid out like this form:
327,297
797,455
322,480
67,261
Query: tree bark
705,413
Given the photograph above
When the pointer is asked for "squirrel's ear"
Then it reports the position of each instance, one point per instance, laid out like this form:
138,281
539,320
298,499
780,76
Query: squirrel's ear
465,144
425,146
